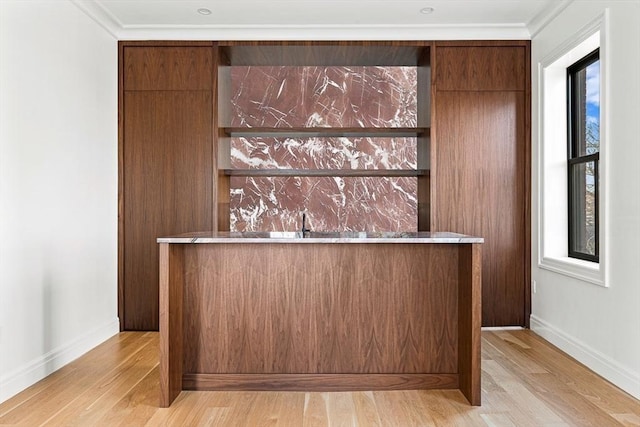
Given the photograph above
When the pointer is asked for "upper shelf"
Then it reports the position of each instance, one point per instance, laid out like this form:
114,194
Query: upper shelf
306,132
325,54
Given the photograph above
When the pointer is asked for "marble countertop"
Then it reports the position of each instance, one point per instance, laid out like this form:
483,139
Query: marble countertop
319,237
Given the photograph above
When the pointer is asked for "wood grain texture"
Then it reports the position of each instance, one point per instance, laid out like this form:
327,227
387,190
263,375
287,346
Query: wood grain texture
470,320
423,99
525,382
167,68
167,189
319,382
527,187
331,53
424,201
171,286
224,212
480,189
480,67
325,308
215,135
121,311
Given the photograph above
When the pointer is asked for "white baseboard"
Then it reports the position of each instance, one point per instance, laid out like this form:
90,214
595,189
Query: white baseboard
30,373
601,364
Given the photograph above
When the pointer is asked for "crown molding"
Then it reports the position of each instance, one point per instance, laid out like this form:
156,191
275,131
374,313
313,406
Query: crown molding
118,30
542,19
101,16
325,32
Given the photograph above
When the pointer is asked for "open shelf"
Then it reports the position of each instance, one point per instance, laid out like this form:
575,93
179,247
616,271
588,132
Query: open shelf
325,54
303,132
326,172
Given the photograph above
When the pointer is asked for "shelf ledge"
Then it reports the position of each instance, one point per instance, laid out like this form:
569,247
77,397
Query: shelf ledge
327,172
306,132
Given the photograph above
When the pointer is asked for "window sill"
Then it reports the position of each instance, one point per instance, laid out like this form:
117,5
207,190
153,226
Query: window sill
587,271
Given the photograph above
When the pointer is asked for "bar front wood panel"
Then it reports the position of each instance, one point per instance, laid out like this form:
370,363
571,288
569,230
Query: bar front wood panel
171,308
469,320
167,189
480,190
325,308
320,317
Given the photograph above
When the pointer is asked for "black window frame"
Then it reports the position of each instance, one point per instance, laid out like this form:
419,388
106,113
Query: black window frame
574,160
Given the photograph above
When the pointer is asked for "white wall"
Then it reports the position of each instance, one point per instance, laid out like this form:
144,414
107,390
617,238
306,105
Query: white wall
600,326
58,188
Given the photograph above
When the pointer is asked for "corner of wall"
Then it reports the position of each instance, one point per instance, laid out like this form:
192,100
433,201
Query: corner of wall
31,372
619,375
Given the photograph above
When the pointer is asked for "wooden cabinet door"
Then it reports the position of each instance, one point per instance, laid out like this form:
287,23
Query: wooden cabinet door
166,163
167,188
481,179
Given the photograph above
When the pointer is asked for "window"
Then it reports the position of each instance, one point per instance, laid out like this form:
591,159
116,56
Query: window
583,93
573,239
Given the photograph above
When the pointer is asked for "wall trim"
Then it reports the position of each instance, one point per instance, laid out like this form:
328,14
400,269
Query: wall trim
601,364
30,373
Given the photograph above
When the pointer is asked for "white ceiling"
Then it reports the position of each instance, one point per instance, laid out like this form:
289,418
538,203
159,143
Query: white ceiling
179,19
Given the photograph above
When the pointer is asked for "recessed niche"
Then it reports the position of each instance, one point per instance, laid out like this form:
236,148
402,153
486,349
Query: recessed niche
345,140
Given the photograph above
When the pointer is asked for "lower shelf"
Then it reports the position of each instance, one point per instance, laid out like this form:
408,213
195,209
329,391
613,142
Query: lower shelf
326,172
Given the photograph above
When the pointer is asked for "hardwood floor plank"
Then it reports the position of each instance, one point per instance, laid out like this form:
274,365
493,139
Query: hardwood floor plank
277,408
517,391
137,406
526,382
315,410
92,404
341,409
498,420
627,419
100,365
215,416
110,349
365,409
582,390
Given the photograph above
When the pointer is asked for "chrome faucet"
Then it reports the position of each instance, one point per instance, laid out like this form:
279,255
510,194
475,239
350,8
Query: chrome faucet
304,227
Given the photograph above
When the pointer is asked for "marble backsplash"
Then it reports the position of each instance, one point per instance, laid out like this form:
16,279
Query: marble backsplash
323,97
331,203
323,153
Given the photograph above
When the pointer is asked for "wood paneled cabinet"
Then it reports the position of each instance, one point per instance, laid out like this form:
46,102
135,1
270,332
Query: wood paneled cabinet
478,184
165,165
481,168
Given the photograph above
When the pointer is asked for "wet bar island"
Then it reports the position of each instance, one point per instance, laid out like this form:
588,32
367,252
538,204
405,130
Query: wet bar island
320,312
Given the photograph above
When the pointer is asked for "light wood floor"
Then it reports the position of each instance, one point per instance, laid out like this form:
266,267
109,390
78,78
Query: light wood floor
525,382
